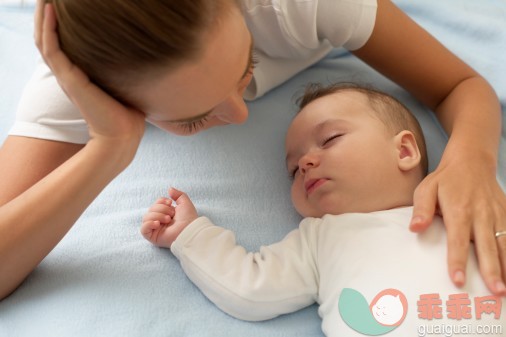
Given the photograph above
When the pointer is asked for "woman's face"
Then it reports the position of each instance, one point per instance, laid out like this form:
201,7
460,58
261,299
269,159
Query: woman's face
207,92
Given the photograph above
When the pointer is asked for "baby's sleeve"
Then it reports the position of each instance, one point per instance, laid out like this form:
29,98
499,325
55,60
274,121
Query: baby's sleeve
280,278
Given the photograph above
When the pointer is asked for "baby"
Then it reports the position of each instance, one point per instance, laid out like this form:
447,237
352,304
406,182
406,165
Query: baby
355,156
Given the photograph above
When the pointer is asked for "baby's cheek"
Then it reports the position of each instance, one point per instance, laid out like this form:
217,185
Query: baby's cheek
297,197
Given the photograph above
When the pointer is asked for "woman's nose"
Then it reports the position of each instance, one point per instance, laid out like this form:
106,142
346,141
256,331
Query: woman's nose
235,110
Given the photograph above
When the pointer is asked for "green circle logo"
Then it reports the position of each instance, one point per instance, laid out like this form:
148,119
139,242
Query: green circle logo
385,313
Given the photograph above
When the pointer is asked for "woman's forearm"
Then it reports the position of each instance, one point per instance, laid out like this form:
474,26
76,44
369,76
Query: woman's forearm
471,115
34,222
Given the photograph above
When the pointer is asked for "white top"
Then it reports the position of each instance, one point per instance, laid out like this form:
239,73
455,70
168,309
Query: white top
289,36
367,253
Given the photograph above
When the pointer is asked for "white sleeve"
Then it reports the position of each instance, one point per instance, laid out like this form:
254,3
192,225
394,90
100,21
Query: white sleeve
280,278
292,35
45,112
346,23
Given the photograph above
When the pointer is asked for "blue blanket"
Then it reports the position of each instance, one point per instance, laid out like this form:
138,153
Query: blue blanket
104,279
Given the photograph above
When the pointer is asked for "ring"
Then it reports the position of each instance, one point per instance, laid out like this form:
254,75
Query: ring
499,234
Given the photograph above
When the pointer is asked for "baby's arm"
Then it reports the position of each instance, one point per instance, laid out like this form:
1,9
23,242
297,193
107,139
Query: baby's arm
164,222
280,278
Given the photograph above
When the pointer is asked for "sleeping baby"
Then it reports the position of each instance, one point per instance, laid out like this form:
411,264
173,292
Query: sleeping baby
355,156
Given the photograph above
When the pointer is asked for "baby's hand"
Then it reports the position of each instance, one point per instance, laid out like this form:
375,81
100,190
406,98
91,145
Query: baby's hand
164,222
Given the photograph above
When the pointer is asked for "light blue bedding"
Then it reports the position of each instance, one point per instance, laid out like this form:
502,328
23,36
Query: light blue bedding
104,279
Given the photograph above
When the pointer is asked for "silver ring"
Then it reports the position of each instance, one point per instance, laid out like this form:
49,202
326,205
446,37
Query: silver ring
499,234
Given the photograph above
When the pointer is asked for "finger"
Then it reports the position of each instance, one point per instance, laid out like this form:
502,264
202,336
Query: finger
154,216
163,201
501,247
500,216
148,227
50,46
51,51
175,194
66,73
49,36
487,251
163,209
180,198
38,18
458,230
424,205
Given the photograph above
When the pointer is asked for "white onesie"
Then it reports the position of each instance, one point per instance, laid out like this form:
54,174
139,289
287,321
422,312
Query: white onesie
367,272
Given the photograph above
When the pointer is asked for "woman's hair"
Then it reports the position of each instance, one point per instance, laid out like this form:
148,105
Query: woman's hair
119,43
392,113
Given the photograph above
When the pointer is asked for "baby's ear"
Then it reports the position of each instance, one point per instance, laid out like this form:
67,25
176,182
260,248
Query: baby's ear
408,154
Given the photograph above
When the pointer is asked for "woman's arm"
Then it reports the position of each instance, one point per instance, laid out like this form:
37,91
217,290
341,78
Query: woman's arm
24,161
65,178
464,185
36,220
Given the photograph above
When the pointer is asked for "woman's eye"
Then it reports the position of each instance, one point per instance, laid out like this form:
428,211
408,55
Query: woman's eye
254,62
193,126
249,74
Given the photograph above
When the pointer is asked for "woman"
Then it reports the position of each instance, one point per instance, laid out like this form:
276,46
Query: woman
185,66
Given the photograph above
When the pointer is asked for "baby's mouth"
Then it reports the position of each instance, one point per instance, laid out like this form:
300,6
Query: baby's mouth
312,184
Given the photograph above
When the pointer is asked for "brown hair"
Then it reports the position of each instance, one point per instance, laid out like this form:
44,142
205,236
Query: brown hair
121,42
394,115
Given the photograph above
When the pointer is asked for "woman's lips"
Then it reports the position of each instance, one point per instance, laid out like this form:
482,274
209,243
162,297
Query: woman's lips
312,184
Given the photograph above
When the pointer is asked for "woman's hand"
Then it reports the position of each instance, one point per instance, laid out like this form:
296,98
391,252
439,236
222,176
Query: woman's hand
464,189
107,119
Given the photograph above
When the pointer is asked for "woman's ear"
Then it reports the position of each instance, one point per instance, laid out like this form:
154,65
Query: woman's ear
408,154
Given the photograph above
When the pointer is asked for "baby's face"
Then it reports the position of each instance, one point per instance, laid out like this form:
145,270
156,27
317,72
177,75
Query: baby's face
341,156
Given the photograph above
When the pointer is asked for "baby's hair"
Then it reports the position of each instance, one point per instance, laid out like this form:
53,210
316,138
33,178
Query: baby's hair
390,111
